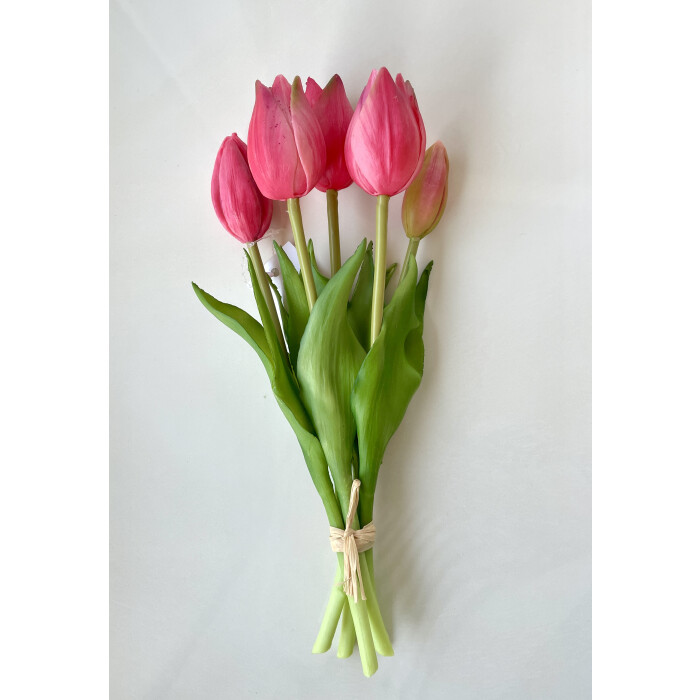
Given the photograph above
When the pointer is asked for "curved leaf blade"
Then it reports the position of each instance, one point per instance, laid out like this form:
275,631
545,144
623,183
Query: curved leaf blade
239,321
296,304
386,382
329,358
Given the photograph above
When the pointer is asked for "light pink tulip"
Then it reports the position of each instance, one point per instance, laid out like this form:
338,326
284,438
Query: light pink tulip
426,197
385,142
334,112
286,149
242,209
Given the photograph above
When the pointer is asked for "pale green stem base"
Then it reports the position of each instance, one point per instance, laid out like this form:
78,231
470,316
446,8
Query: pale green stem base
336,602
380,637
347,634
264,283
333,230
365,643
302,250
410,252
379,267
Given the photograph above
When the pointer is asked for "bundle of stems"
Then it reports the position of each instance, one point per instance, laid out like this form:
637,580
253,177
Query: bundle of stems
343,366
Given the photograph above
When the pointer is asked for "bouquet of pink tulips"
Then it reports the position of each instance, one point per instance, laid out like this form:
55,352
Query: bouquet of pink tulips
342,363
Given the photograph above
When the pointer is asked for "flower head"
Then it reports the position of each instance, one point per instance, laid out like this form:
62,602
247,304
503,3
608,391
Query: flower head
425,199
286,149
385,142
242,209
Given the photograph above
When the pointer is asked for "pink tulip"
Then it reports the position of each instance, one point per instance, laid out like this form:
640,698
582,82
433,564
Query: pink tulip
425,198
287,153
238,202
385,142
334,112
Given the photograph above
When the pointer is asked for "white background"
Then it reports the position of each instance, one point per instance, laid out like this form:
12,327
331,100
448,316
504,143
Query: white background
220,563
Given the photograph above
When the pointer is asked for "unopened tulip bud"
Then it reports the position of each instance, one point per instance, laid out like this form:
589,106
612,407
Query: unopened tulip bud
425,199
286,149
385,142
242,209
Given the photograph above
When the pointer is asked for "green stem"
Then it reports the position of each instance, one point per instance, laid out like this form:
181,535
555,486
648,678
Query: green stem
302,250
333,230
410,252
365,643
347,633
380,636
336,603
379,267
264,282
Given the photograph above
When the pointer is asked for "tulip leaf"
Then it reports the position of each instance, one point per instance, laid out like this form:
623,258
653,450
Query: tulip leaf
319,280
387,380
282,386
390,273
239,321
284,314
286,389
297,306
329,358
360,307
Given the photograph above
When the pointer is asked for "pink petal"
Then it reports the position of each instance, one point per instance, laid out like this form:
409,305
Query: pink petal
313,91
309,140
215,196
272,150
334,113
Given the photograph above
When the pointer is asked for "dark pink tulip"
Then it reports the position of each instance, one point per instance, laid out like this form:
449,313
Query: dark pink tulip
242,209
286,149
385,142
334,112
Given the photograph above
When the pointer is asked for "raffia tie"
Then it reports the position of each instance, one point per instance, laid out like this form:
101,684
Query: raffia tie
351,542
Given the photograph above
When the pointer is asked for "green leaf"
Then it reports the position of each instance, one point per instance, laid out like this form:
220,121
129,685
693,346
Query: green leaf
320,280
329,359
387,380
297,306
239,321
390,273
283,387
359,310
415,352
286,389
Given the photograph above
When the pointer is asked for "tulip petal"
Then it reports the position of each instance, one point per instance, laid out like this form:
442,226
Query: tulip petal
215,192
239,198
313,91
308,136
272,150
334,113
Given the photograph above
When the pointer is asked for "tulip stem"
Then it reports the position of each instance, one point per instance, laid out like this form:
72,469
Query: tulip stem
346,642
336,603
379,267
264,282
302,250
333,229
410,252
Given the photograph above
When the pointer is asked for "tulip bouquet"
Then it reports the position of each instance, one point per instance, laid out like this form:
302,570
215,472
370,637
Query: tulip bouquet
342,364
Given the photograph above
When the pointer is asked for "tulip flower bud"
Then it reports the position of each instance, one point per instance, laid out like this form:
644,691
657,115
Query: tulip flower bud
238,202
334,112
286,149
385,142
425,198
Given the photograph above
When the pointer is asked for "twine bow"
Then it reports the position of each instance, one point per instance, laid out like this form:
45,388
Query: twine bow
351,542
